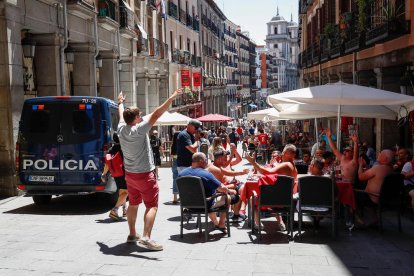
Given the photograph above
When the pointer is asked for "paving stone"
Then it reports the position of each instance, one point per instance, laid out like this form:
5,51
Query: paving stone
74,236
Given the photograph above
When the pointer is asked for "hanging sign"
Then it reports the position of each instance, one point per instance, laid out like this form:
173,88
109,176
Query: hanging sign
196,79
185,77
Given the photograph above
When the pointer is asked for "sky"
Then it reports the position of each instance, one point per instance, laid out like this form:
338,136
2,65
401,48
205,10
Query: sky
252,16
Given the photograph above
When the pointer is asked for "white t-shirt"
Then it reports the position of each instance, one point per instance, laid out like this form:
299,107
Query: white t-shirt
408,168
135,145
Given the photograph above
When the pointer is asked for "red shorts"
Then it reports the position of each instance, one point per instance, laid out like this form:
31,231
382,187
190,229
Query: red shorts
142,187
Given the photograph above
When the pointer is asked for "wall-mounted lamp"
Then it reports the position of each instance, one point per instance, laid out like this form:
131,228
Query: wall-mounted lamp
98,61
69,57
29,46
119,66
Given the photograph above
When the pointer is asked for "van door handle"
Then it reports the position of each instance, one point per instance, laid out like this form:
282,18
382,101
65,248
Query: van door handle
68,156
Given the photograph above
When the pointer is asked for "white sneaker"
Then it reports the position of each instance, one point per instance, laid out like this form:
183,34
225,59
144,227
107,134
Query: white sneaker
150,245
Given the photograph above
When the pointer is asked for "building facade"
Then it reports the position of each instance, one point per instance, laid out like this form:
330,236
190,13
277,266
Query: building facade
230,58
368,43
77,48
282,44
183,28
212,45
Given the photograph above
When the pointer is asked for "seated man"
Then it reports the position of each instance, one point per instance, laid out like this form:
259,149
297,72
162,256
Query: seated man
306,157
401,159
227,177
374,177
276,158
211,185
286,167
316,167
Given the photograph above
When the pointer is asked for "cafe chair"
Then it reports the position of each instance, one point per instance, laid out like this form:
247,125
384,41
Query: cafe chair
193,201
302,168
391,197
278,197
317,198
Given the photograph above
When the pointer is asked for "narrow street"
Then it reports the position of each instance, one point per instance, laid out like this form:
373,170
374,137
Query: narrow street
74,236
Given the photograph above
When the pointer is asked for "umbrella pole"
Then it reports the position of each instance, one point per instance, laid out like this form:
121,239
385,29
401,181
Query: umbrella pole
338,129
316,132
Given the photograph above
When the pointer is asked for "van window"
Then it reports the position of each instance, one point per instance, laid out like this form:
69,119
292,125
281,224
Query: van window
39,121
67,120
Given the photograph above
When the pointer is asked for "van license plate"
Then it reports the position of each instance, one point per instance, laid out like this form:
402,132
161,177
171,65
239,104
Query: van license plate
41,178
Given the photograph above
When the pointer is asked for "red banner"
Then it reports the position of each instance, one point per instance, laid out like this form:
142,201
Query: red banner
196,79
185,77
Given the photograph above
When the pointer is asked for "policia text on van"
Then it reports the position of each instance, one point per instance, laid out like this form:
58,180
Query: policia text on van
61,145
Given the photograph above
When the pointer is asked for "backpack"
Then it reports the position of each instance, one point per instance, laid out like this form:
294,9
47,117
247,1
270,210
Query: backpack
115,164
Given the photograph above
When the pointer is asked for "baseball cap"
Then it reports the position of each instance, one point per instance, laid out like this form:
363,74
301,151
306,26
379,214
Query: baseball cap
348,148
220,152
196,124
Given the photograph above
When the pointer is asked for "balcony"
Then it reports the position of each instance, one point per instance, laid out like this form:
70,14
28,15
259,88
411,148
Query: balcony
82,8
189,21
175,55
108,14
163,50
184,57
154,47
142,46
196,25
126,22
172,10
183,16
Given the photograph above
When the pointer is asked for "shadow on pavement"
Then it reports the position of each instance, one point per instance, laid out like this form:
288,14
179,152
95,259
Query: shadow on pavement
125,249
66,205
194,238
109,220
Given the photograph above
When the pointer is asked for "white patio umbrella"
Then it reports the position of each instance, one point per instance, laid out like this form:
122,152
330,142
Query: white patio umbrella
347,99
262,114
170,119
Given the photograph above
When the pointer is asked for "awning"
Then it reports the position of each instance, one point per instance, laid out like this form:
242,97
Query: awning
140,28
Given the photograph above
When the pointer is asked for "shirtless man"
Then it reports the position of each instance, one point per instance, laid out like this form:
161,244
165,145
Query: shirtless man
286,167
374,176
348,160
226,176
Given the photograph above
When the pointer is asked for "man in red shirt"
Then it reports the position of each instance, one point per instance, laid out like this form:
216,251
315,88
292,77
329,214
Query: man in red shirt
239,131
263,143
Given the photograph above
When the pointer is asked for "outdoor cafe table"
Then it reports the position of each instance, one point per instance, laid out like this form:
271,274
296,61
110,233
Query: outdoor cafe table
345,190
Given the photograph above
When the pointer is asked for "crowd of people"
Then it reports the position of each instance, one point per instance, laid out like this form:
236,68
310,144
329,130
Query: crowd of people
212,154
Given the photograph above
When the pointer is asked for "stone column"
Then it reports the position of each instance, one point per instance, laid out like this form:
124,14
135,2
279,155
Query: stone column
142,84
153,90
47,64
127,81
84,69
108,86
11,94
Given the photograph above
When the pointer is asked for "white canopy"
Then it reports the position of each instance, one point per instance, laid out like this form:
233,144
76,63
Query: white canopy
361,101
169,119
262,114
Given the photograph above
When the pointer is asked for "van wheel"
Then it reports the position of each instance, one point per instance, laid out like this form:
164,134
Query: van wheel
42,199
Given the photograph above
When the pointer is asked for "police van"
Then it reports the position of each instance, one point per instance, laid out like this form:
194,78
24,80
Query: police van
61,146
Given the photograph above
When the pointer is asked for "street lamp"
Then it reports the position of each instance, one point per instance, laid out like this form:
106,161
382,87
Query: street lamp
98,61
28,46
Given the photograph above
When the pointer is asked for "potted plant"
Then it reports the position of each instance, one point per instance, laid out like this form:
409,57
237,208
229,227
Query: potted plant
393,15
